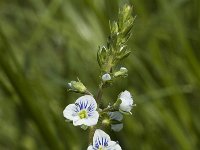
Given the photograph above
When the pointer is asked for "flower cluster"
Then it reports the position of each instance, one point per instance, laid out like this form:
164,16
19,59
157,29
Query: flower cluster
85,111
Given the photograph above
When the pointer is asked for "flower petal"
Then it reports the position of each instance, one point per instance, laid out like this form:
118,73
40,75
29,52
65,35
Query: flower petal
116,127
116,115
113,146
77,121
125,105
90,148
86,101
100,138
126,95
127,101
92,119
70,111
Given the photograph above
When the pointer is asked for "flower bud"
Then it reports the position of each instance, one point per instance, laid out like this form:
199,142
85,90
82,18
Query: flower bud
102,55
114,27
121,73
77,86
106,122
106,77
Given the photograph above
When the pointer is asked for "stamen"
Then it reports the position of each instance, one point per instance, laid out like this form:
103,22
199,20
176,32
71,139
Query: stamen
83,114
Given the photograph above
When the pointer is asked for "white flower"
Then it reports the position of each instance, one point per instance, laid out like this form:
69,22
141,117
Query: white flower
102,141
116,115
83,112
106,77
127,102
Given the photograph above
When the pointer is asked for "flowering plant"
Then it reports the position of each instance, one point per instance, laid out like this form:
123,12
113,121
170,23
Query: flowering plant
86,112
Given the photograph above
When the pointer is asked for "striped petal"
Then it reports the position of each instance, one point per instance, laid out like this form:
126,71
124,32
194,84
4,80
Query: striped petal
100,139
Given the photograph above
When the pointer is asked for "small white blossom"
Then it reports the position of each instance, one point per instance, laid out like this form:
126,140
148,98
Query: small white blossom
83,112
106,77
116,115
127,102
102,141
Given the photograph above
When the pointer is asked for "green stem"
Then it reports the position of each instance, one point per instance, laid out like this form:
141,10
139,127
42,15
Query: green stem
98,99
107,109
88,92
100,93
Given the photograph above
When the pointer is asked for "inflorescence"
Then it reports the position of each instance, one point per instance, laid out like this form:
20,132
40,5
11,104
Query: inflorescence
86,112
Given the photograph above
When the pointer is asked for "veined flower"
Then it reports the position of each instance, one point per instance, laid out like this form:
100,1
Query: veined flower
102,141
126,102
83,112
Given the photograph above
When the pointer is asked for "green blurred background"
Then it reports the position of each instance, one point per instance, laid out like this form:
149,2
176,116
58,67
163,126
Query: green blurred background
46,43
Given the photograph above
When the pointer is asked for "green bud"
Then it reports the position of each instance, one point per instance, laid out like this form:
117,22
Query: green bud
113,27
116,50
126,10
121,73
106,122
124,16
102,55
77,86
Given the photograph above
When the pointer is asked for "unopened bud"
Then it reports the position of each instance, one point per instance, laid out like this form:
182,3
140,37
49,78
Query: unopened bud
122,72
77,86
106,122
106,77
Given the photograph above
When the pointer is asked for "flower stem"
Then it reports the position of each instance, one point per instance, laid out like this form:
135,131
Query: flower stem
100,93
105,110
98,99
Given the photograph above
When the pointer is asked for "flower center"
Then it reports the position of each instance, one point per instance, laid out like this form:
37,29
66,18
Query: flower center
100,148
83,114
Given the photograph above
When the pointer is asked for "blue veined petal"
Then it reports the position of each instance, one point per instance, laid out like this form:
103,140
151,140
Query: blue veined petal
82,105
101,141
91,107
86,102
100,138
